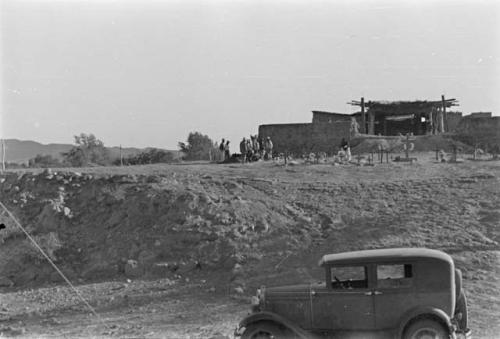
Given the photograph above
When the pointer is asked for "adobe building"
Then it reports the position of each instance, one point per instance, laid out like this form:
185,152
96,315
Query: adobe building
385,118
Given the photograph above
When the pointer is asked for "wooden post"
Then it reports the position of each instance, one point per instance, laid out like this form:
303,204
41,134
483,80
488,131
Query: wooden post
440,121
363,117
121,156
371,122
432,117
443,117
3,155
407,148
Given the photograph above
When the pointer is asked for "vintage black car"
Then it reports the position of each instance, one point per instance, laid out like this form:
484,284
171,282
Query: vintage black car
386,293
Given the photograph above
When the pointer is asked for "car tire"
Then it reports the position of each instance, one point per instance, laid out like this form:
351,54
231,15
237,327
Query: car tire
426,328
264,330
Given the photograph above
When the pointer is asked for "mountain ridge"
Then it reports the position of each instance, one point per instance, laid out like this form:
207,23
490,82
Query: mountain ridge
20,151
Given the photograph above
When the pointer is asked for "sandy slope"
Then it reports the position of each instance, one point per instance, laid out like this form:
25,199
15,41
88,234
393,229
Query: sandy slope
200,234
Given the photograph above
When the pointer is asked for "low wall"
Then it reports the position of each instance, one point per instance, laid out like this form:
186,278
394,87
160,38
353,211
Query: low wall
327,137
304,138
484,131
290,138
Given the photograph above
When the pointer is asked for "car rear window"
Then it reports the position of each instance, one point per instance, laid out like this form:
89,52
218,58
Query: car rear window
395,275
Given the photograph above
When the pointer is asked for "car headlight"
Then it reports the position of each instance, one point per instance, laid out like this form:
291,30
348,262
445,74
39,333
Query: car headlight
257,300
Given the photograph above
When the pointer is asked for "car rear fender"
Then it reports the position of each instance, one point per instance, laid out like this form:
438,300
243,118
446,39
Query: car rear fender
424,312
271,317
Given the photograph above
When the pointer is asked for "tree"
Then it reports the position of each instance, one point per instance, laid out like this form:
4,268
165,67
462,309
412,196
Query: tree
88,151
197,147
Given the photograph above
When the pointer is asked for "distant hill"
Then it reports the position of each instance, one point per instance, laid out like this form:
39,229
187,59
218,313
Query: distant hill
20,151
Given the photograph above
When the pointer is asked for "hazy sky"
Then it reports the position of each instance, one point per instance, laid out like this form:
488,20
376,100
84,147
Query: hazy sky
146,73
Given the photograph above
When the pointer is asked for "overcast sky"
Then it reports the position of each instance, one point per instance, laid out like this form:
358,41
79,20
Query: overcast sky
146,73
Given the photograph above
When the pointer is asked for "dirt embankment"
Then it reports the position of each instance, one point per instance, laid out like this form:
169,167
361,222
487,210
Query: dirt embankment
418,143
252,224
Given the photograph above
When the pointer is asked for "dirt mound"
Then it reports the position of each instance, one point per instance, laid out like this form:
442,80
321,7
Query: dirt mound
237,226
367,144
99,226
106,226
421,143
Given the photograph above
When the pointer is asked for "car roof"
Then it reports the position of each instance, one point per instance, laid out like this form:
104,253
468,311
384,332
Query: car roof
388,254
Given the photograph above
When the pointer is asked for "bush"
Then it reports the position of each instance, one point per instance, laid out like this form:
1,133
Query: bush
151,156
197,147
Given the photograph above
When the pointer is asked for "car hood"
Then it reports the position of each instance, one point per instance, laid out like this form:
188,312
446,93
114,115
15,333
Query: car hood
277,290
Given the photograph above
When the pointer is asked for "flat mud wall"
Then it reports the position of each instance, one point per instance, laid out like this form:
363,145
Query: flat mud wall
484,131
290,138
298,139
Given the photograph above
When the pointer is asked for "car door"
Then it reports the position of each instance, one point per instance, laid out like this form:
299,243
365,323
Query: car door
346,303
394,292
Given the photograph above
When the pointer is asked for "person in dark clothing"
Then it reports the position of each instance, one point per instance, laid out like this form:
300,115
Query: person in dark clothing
243,150
344,144
227,154
221,149
261,147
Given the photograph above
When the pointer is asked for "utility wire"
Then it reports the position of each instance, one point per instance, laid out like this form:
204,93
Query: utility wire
54,265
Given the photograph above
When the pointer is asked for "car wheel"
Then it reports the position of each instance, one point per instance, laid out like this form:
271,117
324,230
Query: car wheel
426,329
264,331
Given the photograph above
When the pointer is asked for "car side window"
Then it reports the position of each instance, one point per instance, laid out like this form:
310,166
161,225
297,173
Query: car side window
394,276
349,277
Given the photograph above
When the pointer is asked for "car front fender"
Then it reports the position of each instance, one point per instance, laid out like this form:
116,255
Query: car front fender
272,317
423,312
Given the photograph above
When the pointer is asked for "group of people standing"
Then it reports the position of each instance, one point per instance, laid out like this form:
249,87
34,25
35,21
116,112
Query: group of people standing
256,148
224,149
251,149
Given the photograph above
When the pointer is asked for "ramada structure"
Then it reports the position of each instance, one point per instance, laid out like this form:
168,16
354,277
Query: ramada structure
384,118
416,117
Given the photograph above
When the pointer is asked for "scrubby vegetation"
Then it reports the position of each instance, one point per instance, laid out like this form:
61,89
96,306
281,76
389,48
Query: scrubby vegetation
45,161
197,147
150,156
88,151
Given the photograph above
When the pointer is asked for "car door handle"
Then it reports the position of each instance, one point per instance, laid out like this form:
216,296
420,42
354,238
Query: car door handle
373,293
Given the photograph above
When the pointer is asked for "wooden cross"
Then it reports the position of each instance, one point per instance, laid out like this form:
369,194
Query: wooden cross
407,145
